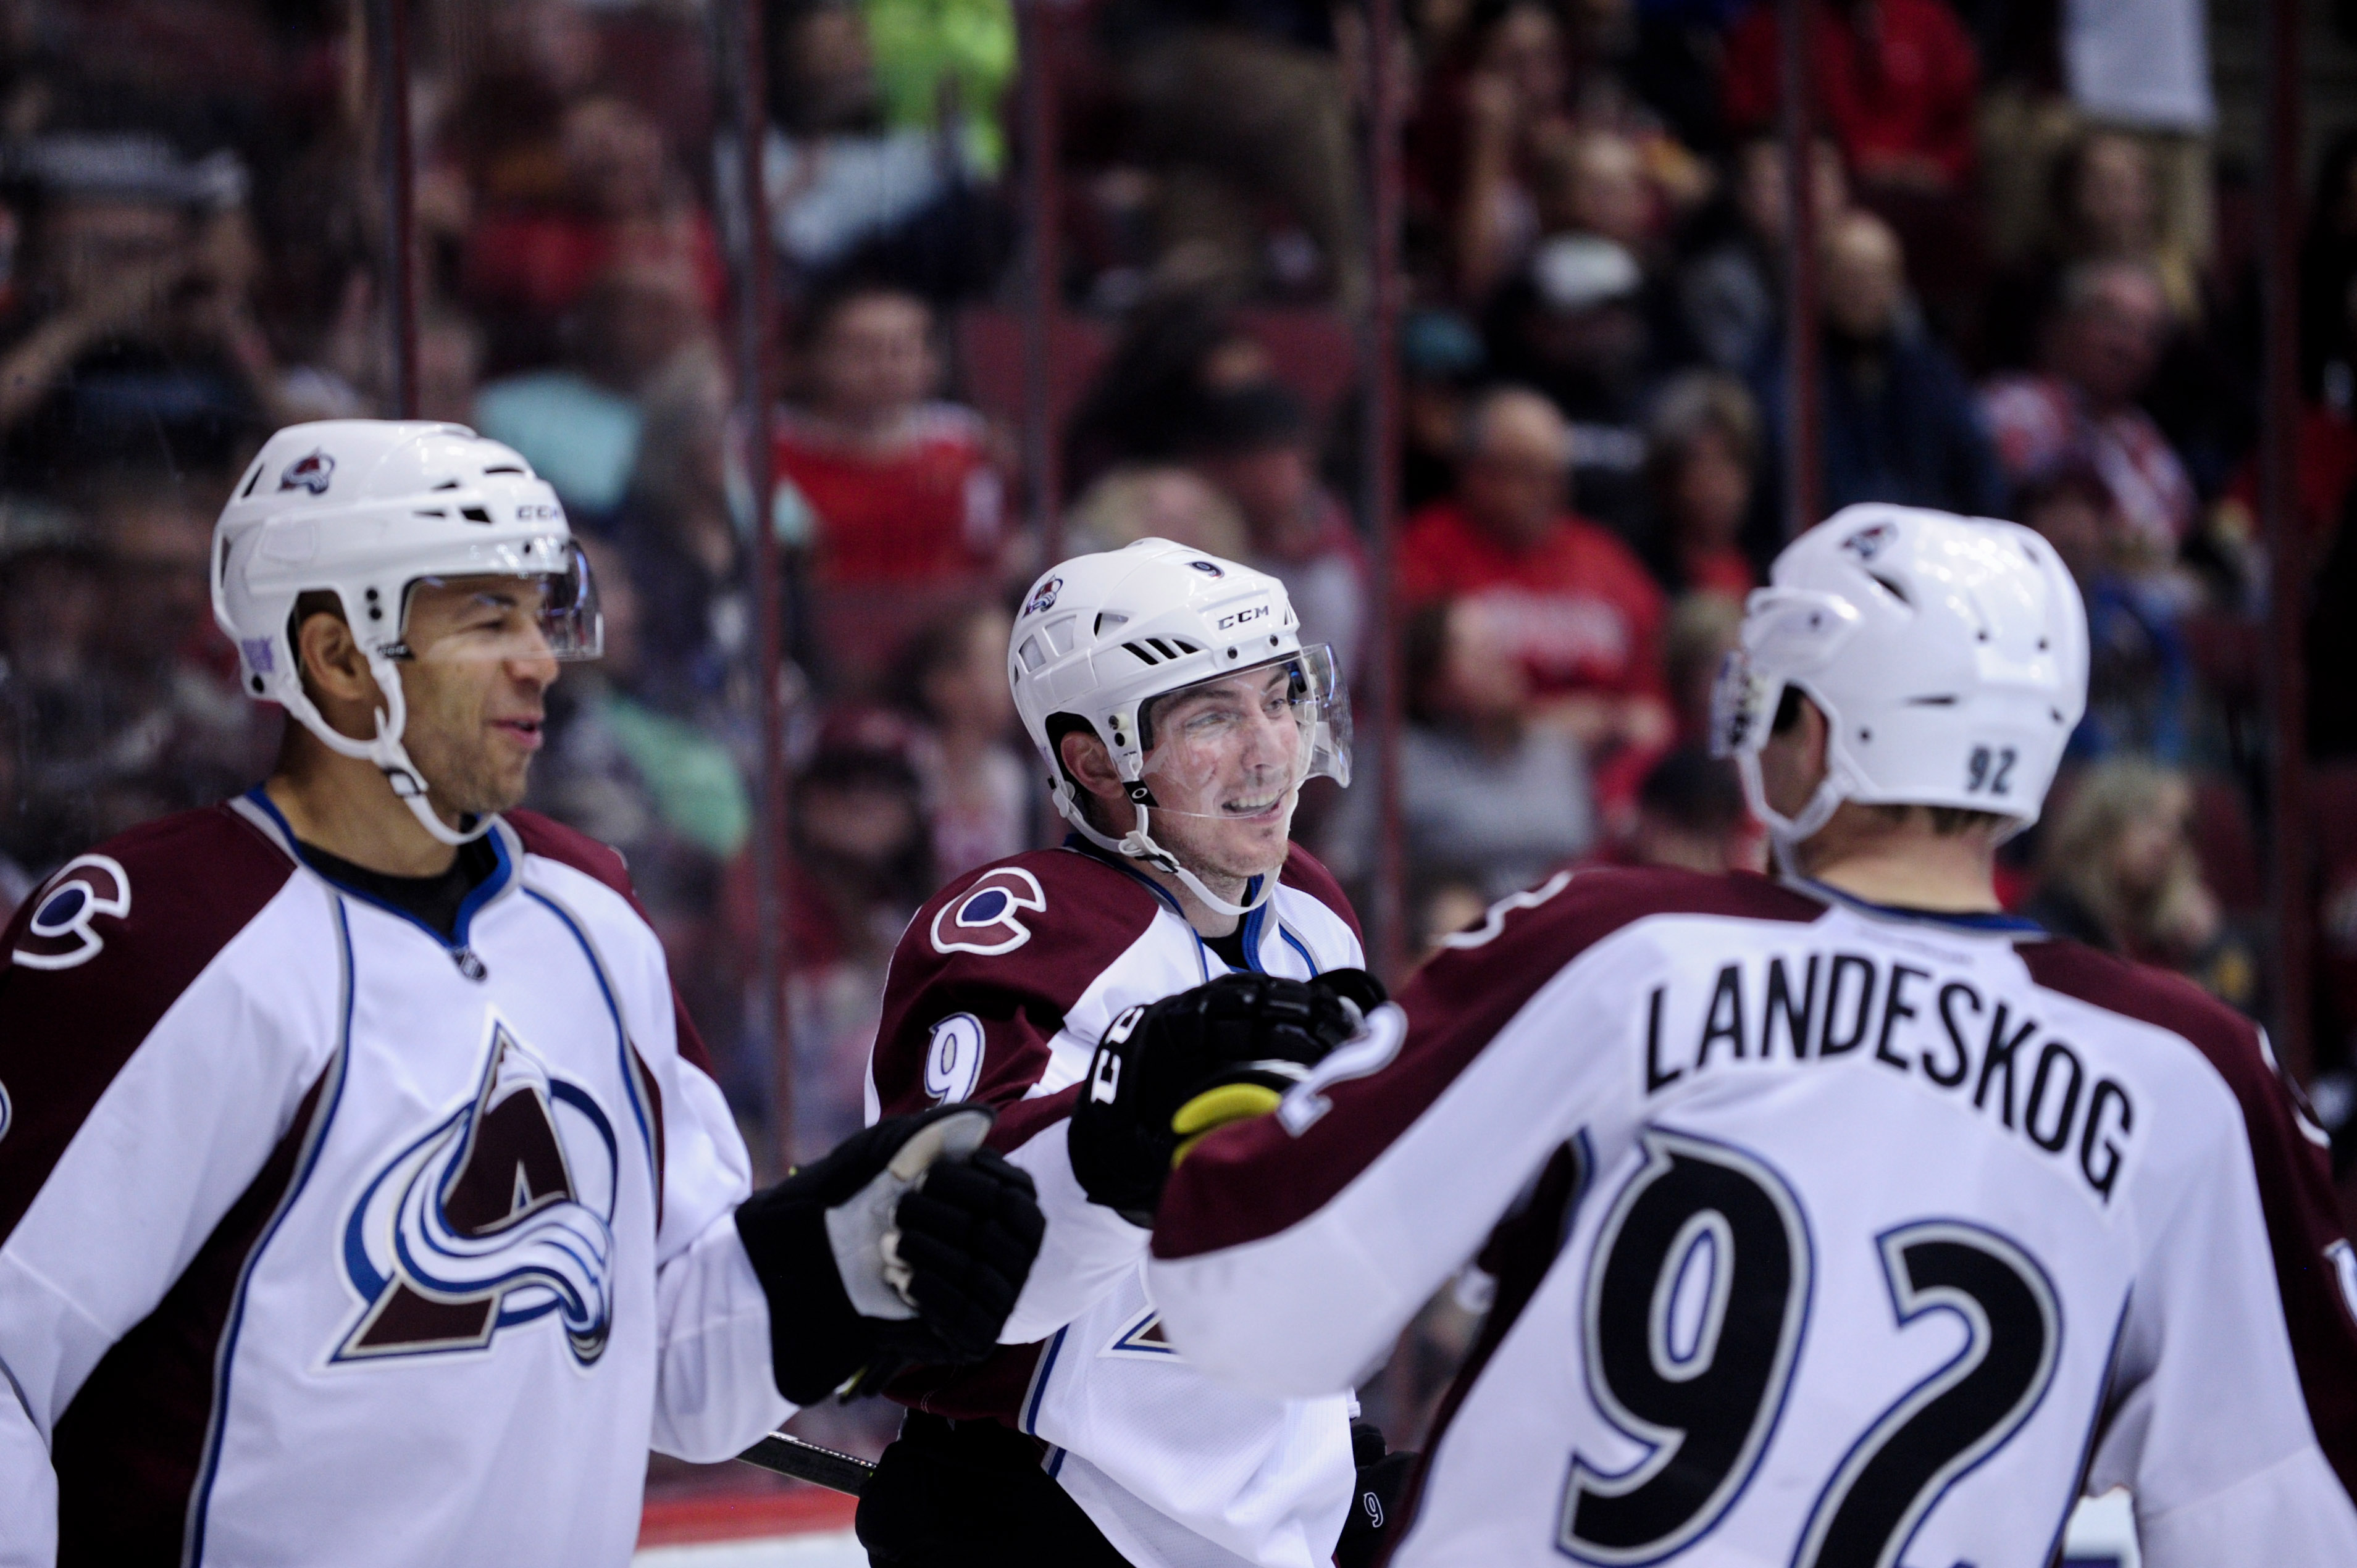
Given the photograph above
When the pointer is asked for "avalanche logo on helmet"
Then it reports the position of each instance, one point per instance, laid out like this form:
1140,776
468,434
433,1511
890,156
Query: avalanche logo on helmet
501,1215
311,473
60,935
1872,541
1045,599
983,919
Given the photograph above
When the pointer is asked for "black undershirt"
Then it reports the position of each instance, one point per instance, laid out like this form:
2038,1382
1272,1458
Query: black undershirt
1231,946
432,901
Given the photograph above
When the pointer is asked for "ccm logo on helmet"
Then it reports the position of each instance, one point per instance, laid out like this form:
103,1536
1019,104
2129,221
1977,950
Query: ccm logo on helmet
984,919
1258,612
311,473
538,512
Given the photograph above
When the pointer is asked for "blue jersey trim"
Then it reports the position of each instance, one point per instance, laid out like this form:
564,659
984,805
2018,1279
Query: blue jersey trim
1030,1422
1988,921
201,1502
621,1035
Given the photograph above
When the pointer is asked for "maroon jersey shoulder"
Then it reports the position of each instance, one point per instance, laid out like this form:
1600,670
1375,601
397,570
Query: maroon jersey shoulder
1010,946
1306,871
2305,1223
551,840
1044,923
2226,1040
1527,937
97,955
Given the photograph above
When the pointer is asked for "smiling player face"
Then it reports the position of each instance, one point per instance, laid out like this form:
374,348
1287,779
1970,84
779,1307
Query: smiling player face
1226,768
478,671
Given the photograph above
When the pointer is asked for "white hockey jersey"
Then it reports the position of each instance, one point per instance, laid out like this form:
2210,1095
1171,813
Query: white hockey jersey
1832,1236
323,1239
999,993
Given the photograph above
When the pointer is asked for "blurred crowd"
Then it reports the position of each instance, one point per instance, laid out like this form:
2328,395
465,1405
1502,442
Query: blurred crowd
2038,300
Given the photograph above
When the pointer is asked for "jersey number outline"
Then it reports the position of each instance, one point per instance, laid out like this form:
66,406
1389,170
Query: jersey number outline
1707,1415
1730,1385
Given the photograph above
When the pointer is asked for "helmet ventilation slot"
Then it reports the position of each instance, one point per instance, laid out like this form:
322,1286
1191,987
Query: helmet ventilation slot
475,514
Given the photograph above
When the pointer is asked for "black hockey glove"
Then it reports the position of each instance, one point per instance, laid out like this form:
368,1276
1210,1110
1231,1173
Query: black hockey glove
907,1243
1382,1478
1166,1074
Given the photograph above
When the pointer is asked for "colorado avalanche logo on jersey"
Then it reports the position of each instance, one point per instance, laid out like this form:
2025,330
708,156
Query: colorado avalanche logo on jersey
499,1215
311,473
1143,1338
985,918
60,935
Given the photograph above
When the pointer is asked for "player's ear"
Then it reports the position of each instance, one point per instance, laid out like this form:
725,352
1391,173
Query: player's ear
334,671
1091,764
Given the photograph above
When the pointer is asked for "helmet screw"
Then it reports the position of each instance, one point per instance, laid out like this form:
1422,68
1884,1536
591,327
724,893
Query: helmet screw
1866,735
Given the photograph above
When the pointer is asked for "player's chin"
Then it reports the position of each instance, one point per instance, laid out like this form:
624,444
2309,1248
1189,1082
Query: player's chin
1255,846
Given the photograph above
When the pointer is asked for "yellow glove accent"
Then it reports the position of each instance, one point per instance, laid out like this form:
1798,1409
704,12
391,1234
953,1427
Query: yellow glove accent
1214,1109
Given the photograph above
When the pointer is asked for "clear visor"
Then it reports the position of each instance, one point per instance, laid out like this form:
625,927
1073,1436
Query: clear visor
544,605
1742,707
1240,746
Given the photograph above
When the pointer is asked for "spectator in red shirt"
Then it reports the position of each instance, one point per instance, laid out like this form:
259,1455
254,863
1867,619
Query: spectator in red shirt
1896,83
897,488
1566,595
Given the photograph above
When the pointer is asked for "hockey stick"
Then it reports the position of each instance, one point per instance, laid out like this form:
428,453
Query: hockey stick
808,1462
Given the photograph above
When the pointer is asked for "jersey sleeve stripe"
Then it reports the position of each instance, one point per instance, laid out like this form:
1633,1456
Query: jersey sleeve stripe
196,881
2296,1194
132,1446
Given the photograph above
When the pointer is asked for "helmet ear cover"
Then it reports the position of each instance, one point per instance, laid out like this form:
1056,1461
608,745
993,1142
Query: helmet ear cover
1060,725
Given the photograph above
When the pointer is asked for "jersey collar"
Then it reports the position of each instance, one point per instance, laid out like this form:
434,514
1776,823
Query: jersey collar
257,807
1994,923
1256,920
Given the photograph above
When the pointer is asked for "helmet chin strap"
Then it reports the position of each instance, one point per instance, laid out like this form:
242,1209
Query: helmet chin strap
1139,844
385,751
1786,834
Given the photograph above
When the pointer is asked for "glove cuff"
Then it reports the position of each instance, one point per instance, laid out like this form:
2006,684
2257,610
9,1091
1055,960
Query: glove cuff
817,1338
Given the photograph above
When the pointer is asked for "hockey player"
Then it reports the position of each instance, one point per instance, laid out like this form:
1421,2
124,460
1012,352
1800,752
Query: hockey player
1844,1220
364,1197
1176,716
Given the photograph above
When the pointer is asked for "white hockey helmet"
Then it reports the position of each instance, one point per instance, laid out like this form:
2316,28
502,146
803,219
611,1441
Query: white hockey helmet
366,510
1948,654
1100,635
